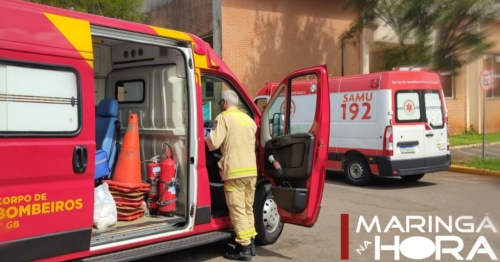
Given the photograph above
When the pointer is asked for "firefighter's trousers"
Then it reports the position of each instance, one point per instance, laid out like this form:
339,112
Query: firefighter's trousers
240,194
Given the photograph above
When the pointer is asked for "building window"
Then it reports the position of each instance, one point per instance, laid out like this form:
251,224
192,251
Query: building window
448,84
492,61
209,39
209,90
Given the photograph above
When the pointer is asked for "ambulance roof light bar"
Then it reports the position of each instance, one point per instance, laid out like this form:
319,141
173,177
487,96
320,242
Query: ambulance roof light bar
409,68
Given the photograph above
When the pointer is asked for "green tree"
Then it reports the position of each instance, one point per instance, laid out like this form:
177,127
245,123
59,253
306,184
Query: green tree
120,9
443,35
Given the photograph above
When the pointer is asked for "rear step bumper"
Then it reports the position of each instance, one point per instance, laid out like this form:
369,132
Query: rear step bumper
163,247
418,166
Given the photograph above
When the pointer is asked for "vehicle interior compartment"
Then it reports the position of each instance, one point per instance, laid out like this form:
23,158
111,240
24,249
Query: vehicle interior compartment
149,81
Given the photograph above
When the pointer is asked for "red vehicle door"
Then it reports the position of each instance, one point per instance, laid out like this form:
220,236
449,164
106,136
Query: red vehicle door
47,135
297,143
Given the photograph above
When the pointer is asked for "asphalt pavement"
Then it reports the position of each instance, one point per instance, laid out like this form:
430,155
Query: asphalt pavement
492,150
438,196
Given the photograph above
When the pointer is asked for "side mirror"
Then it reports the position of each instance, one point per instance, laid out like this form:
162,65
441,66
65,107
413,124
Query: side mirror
277,125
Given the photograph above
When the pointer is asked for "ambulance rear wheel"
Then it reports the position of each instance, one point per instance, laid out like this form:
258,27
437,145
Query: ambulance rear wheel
267,220
357,172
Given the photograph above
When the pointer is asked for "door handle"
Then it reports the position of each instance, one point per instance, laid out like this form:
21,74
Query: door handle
429,135
80,159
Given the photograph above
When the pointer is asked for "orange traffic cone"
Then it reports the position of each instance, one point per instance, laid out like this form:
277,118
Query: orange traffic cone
127,173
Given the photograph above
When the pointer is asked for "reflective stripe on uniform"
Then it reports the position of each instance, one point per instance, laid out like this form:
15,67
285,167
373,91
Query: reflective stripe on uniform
246,234
229,188
241,118
242,171
232,110
243,122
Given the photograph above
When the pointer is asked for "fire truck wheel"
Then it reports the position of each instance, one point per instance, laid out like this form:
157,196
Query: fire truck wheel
267,220
356,171
413,177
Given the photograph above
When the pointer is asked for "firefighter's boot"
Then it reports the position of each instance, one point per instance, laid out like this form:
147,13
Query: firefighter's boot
252,248
241,253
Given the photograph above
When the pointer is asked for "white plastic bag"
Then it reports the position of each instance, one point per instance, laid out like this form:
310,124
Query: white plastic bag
145,208
105,213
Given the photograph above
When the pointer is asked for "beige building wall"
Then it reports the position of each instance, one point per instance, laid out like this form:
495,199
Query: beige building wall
264,40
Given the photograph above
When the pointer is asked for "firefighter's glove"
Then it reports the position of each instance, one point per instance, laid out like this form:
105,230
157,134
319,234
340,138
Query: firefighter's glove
207,132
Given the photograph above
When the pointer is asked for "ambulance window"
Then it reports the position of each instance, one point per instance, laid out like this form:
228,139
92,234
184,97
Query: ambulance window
130,91
301,108
408,106
304,97
277,115
261,103
433,109
212,87
36,100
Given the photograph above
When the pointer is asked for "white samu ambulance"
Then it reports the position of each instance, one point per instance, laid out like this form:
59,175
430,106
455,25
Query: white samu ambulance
390,123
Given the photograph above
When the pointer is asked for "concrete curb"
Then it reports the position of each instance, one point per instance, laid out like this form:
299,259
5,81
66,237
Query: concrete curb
475,171
473,145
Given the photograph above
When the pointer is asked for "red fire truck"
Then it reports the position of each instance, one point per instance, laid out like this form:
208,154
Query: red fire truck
57,65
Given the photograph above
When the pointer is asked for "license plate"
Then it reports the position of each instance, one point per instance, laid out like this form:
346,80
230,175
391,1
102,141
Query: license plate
407,149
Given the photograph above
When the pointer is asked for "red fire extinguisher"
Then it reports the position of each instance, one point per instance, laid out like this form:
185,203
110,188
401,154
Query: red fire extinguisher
167,184
154,170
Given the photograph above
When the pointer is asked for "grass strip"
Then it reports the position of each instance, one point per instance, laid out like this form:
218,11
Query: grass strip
468,139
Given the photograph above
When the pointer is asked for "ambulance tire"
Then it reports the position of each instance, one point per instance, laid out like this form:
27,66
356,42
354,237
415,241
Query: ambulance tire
267,222
413,177
356,171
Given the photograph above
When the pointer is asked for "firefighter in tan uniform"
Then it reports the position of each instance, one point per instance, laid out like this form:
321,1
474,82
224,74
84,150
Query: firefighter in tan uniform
234,134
